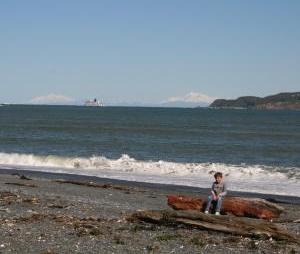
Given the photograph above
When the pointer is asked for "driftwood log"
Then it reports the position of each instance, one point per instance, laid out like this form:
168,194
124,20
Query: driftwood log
23,184
242,207
227,224
95,185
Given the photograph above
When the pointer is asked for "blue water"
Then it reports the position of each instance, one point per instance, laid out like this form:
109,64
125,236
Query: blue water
179,135
168,145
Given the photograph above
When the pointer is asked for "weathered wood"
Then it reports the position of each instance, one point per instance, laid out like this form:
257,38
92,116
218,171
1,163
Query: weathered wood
228,224
243,207
94,185
23,184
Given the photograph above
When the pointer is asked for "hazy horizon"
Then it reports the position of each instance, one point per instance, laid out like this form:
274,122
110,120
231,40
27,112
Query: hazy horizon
173,103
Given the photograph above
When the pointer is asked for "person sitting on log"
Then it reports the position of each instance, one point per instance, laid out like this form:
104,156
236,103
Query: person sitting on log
218,192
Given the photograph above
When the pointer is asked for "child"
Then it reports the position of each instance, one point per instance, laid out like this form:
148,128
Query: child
218,192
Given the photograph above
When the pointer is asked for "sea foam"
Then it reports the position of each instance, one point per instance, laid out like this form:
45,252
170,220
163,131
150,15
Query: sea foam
250,178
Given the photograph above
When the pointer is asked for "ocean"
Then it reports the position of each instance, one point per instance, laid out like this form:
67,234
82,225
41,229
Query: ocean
258,151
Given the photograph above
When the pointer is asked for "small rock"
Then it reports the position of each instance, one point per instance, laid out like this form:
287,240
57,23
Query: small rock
23,177
5,210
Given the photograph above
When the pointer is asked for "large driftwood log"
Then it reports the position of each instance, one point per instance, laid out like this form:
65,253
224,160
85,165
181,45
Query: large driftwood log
243,207
227,224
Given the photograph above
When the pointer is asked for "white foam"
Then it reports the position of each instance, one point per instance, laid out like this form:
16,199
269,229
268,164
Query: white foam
250,178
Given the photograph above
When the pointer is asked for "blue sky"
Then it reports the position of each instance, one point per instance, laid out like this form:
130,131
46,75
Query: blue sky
148,51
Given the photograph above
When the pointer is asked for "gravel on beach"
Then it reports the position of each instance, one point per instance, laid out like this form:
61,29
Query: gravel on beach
38,214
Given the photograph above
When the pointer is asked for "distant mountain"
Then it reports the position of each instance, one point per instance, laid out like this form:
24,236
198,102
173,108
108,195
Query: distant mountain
183,104
189,100
278,101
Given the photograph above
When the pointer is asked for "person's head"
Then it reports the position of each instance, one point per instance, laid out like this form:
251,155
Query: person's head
218,176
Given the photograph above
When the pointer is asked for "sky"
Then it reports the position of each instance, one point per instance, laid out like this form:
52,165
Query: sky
147,51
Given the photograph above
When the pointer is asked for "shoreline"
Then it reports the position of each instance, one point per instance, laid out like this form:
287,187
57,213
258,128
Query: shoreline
180,189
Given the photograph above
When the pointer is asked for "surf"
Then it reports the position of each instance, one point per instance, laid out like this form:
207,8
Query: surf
242,177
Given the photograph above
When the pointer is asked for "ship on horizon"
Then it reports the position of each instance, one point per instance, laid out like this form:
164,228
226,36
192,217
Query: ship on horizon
93,103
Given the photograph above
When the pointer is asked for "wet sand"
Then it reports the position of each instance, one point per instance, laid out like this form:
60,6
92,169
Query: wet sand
44,216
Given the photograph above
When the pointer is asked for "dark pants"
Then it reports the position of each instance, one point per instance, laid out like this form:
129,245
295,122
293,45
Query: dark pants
219,203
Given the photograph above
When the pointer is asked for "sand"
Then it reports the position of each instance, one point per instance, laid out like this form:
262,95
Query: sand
44,216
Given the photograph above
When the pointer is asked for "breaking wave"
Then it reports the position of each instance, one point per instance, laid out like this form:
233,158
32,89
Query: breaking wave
250,178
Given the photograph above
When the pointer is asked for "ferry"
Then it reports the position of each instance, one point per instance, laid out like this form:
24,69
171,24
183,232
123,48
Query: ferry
94,103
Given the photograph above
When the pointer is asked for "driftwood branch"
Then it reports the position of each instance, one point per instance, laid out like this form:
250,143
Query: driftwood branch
94,185
23,184
226,224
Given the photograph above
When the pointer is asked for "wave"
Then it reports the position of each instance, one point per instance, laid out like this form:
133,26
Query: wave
243,177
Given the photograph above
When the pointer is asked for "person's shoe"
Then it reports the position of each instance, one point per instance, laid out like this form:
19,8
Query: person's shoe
217,213
206,212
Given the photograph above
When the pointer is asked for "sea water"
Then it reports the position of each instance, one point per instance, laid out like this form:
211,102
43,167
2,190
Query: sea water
258,151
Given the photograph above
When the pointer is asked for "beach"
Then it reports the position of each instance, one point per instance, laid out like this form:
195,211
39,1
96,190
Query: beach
150,127
71,177
49,215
